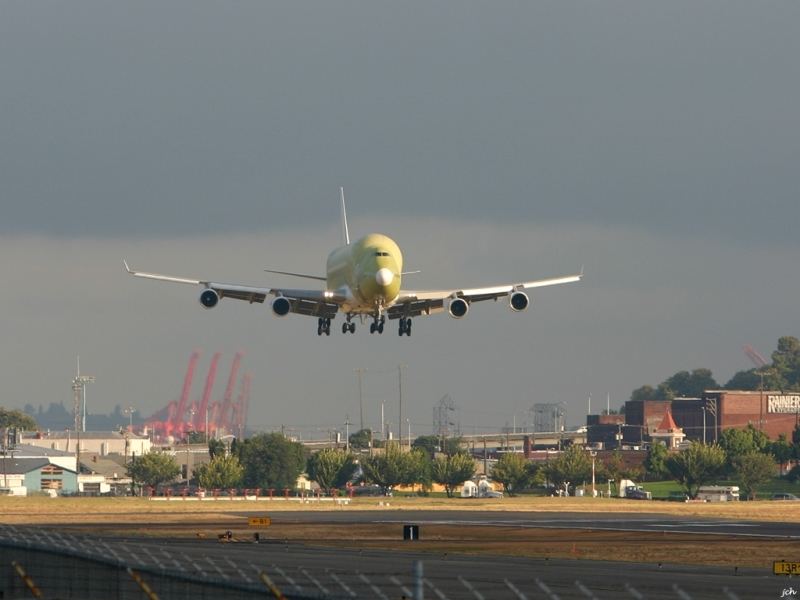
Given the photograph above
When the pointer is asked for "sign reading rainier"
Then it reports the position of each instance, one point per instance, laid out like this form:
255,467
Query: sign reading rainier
783,404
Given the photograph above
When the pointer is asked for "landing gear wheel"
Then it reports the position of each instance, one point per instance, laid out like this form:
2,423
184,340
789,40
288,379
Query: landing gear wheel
345,328
405,327
352,327
372,327
323,326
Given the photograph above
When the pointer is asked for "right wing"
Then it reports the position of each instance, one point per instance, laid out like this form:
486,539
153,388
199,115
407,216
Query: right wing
415,303
318,303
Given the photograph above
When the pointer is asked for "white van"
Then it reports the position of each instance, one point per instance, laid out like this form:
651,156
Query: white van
718,493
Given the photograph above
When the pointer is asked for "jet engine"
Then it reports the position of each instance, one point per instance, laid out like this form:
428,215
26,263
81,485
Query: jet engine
281,306
458,308
209,298
518,301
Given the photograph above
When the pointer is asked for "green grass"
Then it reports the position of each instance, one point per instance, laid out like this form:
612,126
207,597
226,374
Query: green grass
661,489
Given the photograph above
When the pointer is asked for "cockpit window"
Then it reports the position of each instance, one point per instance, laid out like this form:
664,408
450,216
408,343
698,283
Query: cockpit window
382,254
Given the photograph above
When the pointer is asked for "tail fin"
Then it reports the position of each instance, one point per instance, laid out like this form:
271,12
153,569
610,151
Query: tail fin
344,219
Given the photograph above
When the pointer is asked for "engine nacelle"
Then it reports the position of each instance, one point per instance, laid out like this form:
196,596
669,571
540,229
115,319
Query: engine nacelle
281,306
458,308
209,298
518,301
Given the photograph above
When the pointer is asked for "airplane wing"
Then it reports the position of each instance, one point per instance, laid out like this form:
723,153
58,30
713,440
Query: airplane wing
316,303
415,303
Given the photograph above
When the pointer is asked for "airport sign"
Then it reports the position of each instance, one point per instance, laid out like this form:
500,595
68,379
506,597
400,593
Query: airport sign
783,567
259,521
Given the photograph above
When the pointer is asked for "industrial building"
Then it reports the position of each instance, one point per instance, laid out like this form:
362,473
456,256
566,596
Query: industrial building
701,419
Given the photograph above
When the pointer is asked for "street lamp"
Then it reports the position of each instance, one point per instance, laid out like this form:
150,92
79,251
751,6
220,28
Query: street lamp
593,454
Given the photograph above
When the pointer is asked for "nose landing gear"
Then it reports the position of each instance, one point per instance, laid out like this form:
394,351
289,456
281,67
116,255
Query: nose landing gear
377,325
349,327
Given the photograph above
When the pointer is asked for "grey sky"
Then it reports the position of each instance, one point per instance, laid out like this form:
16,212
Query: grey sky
655,143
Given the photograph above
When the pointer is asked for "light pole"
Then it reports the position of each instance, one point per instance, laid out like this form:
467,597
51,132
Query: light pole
408,422
594,455
129,411
400,398
360,372
347,433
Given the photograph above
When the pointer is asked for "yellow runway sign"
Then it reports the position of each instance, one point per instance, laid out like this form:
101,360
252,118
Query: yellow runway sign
259,521
782,567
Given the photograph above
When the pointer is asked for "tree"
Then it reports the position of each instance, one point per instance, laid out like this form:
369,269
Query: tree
646,392
153,469
360,439
387,469
330,468
696,465
270,460
221,472
571,466
18,419
736,442
781,449
514,471
216,448
434,443
752,470
692,384
418,469
614,467
451,471
786,362
656,462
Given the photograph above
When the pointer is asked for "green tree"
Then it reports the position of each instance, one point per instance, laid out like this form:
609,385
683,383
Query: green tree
696,465
570,467
656,462
646,392
153,469
434,443
221,472
270,460
786,362
452,471
692,384
781,449
614,467
361,439
752,470
418,469
744,380
514,471
216,448
386,469
18,419
330,468
736,442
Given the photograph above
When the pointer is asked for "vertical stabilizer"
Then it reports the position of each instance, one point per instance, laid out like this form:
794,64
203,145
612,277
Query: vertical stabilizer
345,231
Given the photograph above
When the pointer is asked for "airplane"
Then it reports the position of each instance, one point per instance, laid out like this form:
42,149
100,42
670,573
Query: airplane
363,279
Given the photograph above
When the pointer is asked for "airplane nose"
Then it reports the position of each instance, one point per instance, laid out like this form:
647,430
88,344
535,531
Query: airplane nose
384,277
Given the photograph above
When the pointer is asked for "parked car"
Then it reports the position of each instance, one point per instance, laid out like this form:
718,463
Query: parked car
784,496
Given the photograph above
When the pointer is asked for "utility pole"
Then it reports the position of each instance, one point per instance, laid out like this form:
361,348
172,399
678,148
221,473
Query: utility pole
347,433
400,396
360,372
79,389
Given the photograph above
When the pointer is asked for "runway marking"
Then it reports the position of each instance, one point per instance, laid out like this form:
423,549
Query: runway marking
514,589
216,566
372,586
311,578
287,577
543,586
681,594
633,592
178,565
585,591
434,589
399,584
729,594
342,584
236,568
471,588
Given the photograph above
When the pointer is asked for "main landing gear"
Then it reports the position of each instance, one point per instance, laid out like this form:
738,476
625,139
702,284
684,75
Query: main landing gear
405,327
348,327
377,325
323,326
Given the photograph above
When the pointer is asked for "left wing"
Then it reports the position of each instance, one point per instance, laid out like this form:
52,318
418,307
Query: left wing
319,303
415,303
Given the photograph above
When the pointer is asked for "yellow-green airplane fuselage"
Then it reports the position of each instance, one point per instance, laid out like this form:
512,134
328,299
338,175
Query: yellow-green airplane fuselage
366,273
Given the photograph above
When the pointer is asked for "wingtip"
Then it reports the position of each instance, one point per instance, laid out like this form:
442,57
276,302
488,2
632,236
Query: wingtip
127,268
